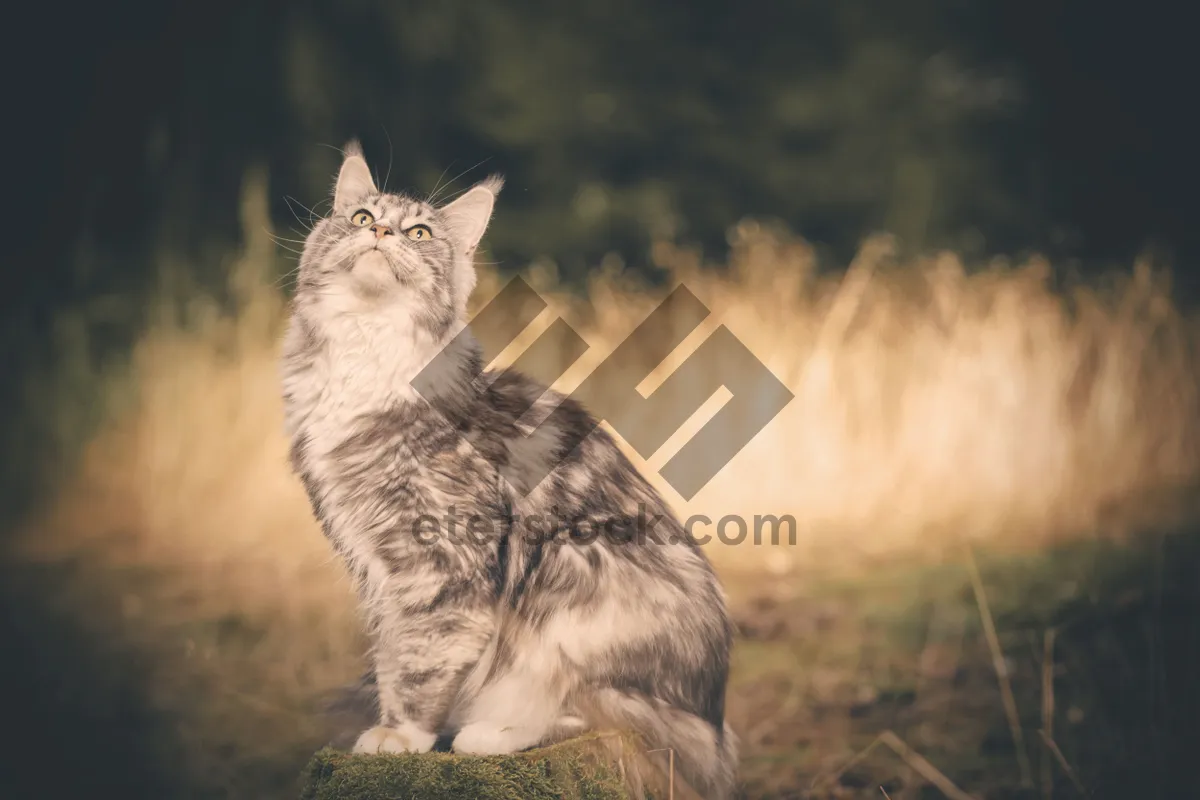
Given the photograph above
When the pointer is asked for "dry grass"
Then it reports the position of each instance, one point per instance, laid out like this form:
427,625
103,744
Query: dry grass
931,403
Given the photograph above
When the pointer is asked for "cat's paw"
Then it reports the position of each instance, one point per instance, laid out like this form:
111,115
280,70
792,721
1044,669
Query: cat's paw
404,738
484,739
571,726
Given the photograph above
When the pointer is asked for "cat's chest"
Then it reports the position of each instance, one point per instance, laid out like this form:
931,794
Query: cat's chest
329,398
355,433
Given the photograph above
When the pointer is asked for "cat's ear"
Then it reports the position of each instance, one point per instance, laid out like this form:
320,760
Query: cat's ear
468,215
354,181
467,218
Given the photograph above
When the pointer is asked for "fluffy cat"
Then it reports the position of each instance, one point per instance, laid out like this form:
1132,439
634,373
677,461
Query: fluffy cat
551,622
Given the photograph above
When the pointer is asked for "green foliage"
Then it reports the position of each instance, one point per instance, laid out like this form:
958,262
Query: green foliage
623,121
616,122
569,771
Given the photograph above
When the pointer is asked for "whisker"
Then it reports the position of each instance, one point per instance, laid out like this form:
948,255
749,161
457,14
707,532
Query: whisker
434,199
278,282
332,147
289,249
388,176
313,215
288,239
280,241
279,238
438,184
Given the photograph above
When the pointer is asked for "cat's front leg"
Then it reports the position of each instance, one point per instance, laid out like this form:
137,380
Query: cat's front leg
420,659
406,737
514,698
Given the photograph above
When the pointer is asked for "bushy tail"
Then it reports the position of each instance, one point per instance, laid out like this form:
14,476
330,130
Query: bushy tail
705,758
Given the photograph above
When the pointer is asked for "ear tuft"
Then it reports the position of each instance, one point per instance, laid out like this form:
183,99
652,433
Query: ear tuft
354,181
493,183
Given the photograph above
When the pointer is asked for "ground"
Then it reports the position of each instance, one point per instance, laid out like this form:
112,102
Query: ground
824,666
570,771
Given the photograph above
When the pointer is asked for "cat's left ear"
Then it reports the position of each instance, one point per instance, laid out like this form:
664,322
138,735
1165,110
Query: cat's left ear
354,182
469,214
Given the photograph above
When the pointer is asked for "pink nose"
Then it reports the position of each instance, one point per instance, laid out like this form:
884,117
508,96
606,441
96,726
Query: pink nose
380,231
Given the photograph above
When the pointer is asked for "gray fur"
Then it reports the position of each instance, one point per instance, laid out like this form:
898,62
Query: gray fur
545,619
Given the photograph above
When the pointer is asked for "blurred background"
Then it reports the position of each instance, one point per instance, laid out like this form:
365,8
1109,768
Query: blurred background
961,232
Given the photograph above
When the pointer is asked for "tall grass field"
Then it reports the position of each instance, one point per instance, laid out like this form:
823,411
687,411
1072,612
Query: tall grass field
969,452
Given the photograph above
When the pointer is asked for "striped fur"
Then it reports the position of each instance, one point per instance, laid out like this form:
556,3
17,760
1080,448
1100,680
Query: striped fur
502,615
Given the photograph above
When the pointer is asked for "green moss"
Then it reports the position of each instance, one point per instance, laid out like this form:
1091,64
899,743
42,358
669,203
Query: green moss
580,769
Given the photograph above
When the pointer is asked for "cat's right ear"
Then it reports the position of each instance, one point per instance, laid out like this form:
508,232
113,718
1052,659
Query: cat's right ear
354,182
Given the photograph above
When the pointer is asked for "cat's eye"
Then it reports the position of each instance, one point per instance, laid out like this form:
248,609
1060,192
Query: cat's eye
362,218
419,233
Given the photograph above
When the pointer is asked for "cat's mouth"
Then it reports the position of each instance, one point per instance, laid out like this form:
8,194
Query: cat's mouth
373,260
378,271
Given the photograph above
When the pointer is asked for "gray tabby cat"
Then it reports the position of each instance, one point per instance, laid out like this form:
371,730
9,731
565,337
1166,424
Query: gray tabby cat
553,622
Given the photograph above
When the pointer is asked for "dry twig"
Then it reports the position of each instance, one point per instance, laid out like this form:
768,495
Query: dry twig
1047,710
671,767
1052,746
911,757
1006,693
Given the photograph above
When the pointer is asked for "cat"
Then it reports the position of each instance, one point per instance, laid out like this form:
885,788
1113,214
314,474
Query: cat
555,621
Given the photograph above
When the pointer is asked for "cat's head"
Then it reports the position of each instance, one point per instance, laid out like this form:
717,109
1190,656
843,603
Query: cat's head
378,251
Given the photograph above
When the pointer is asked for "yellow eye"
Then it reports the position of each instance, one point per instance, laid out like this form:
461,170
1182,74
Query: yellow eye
419,233
362,218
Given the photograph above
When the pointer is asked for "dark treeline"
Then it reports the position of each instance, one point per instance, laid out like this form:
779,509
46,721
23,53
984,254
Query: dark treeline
985,127
982,127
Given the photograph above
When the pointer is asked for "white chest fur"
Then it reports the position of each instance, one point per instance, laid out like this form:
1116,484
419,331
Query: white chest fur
363,365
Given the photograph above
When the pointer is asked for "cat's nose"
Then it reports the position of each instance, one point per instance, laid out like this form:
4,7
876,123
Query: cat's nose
380,231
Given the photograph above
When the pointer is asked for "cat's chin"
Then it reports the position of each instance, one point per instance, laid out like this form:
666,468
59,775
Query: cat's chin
373,272
372,262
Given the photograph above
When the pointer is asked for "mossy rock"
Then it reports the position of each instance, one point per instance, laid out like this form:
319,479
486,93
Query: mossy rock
587,768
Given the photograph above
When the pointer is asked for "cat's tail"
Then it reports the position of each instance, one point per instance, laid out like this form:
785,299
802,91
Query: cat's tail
705,756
